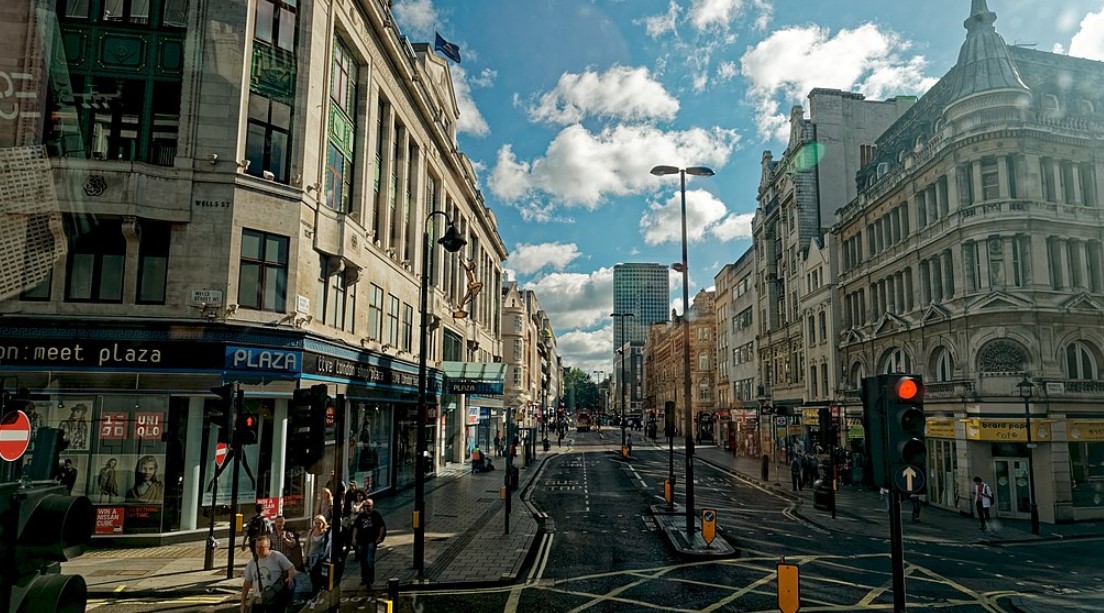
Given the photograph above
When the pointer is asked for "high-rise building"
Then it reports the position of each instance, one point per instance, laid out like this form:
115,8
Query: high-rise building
643,290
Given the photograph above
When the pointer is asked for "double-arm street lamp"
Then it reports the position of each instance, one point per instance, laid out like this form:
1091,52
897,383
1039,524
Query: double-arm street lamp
452,242
1026,387
621,320
688,426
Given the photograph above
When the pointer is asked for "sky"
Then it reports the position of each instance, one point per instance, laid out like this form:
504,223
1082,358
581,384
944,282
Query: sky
565,106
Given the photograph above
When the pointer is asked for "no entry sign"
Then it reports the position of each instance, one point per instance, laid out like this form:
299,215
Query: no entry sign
15,435
220,454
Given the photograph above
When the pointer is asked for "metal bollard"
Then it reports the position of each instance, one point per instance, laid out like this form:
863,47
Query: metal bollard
393,589
209,553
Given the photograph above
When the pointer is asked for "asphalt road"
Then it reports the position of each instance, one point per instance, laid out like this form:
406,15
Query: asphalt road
605,553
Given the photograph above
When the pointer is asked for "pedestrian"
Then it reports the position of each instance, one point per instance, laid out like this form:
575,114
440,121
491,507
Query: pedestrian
983,499
884,493
915,498
256,527
628,443
795,473
286,541
273,575
347,509
325,503
369,531
318,549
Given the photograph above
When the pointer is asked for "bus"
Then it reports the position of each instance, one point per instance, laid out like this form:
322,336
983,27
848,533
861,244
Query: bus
582,422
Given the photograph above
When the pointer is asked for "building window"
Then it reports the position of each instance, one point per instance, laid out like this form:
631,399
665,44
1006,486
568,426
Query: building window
704,392
336,299
407,328
375,312
703,360
1002,357
996,261
1021,260
343,126
153,262
823,319
276,23
942,365
990,188
812,331
1080,364
392,320
1087,176
1087,472
897,361
262,278
1054,260
97,258
268,137
814,381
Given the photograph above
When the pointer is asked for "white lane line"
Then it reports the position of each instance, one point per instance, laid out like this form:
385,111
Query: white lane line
638,478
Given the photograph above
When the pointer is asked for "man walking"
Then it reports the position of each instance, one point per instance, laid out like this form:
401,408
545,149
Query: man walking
983,499
368,534
272,573
258,526
795,473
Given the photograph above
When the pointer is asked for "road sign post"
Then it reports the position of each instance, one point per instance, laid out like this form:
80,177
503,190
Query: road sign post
709,526
789,587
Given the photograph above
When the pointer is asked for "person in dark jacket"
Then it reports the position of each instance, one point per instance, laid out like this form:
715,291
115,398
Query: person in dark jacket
369,531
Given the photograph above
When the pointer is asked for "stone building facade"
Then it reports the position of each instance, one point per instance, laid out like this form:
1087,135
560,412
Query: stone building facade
664,368
973,255
242,191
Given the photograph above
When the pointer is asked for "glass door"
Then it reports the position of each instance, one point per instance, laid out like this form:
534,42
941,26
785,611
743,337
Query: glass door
1011,487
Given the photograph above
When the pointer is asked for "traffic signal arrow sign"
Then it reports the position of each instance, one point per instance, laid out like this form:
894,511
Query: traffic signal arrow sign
909,479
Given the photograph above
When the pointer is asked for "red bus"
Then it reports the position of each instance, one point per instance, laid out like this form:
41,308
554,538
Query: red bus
582,422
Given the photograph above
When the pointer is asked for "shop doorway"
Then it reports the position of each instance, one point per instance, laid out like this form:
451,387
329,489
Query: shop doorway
1011,487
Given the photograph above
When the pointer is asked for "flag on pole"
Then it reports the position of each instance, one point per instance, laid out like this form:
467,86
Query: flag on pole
449,50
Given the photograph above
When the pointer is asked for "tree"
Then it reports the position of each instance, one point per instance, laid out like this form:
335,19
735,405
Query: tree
585,391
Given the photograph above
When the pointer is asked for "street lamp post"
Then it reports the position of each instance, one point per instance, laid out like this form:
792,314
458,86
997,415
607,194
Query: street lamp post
620,350
452,242
700,171
764,403
1026,387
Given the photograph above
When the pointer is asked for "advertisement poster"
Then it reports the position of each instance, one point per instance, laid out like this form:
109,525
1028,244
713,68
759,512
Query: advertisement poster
73,473
109,520
128,478
247,478
104,487
74,417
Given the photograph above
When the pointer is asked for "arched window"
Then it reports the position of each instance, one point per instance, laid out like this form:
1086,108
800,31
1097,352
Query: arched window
1002,357
858,373
1080,363
896,360
942,365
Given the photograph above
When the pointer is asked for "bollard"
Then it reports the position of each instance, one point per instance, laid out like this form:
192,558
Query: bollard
393,589
209,553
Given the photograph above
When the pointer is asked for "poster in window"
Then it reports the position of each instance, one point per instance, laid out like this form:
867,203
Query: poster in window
74,417
113,425
73,473
104,487
145,484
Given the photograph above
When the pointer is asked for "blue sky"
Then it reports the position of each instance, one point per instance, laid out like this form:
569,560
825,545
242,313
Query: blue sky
566,105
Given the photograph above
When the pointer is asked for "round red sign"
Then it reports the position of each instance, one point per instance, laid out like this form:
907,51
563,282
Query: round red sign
15,435
220,454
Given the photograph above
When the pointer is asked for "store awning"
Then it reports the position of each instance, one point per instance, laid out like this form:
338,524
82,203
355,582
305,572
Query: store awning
483,378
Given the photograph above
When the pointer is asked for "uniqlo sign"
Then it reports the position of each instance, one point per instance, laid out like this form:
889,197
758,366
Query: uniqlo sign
148,425
113,425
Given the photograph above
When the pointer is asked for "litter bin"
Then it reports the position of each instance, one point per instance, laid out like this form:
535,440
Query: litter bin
547,444
822,495
515,476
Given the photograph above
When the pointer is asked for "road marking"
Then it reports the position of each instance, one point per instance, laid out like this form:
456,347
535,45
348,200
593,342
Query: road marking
638,478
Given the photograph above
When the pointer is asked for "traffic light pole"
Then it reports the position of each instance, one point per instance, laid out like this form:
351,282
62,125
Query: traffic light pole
897,552
236,450
209,548
338,505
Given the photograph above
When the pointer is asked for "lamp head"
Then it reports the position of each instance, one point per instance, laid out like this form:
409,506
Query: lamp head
700,171
452,241
1026,386
661,170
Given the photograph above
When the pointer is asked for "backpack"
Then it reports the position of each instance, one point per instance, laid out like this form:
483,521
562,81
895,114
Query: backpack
257,526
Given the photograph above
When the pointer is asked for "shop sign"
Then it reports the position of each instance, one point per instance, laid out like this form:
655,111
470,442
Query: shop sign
255,358
939,428
795,429
1085,430
1006,430
811,417
113,425
148,425
362,372
473,416
468,386
107,353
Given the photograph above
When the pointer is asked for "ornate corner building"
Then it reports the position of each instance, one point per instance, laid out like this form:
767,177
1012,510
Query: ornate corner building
973,255
237,192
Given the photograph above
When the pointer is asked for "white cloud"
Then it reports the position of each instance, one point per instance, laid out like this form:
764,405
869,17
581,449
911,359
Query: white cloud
540,212
417,17
528,259
786,65
726,71
705,14
733,227
471,120
486,78
662,223
1089,40
658,25
586,350
575,300
766,12
582,168
621,92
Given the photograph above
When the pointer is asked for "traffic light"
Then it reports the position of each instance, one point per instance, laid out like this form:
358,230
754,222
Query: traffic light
41,526
827,430
247,425
874,418
669,419
46,459
218,414
904,400
307,427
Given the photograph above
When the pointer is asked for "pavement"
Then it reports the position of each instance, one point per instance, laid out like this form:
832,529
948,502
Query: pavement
467,544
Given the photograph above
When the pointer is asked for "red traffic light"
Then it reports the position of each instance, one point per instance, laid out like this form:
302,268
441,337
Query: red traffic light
907,390
250,421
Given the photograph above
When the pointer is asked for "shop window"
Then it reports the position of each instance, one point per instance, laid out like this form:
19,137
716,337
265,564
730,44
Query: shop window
1087,473
97,257
153,261
268,137
262,279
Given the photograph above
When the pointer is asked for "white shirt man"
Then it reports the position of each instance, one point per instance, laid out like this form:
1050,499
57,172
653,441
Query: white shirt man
273,573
